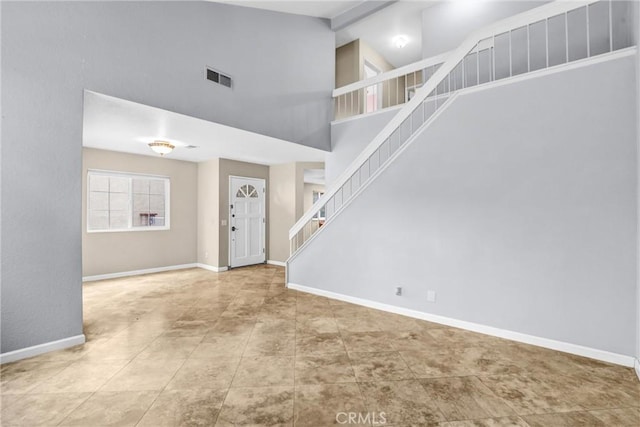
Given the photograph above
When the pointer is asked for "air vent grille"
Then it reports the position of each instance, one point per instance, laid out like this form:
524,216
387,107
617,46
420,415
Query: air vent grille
218,77
191,147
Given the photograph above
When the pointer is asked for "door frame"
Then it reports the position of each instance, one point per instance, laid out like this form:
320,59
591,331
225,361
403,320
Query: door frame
379,87
264,212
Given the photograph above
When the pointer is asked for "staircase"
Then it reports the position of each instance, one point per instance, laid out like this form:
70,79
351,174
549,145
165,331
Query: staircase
550,36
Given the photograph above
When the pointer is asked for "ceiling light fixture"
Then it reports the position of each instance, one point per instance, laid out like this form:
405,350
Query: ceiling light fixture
400,41
161,147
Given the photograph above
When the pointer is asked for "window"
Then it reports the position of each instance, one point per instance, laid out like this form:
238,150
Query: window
247,191
127,202
316,197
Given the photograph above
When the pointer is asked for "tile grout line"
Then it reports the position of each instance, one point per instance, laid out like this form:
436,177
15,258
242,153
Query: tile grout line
506,402
99,389
417,380
235,372
177,370
485,378
237,367
295,362
340,330
170,379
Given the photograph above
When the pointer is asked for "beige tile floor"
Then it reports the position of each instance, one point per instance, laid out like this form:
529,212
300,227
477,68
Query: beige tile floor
237,348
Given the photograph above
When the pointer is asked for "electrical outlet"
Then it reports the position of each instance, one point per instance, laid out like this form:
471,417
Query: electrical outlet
431,296
399,290
206,255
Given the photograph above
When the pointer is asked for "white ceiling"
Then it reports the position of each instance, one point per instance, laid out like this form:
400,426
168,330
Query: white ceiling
314,176
379,29
319,9
403,17
119,125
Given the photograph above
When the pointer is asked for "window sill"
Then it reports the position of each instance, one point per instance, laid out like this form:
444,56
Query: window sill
127,230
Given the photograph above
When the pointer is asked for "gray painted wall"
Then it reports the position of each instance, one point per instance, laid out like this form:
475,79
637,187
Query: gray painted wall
148,52
517,206
349,137
447,24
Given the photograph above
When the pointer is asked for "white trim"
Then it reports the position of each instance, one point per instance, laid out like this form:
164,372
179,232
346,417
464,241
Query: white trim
637,367
46,347
621,53
278,263
603,57
392,74
212,268
373,113
137,272
373,176
593,353
630,51
108,172
453,58
130,176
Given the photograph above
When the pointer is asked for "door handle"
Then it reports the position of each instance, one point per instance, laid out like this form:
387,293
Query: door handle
233,229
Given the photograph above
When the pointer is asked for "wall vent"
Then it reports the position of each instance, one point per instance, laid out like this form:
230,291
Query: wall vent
217,77
190,147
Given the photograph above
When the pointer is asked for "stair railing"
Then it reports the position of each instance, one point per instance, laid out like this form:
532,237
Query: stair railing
501,50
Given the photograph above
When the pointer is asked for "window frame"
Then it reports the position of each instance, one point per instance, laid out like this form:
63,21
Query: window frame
318,216
130,176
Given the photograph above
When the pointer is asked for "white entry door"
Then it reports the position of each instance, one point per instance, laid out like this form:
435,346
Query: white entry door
246,221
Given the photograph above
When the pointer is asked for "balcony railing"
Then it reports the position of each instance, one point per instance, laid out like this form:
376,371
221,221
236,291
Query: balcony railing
551,35
388,89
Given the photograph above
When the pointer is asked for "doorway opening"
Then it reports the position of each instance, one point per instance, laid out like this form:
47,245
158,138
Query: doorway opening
373,93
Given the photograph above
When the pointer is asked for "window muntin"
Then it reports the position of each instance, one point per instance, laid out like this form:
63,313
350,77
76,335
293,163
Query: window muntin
119,201
247,190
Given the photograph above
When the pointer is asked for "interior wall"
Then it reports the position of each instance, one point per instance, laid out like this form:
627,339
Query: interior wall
367,53
523,219
53,51
234,168
446,24
282,205
350,60
115,252
208,212
349,137
347,63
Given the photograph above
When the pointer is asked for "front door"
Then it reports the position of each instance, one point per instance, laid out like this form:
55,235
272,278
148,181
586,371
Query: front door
246,221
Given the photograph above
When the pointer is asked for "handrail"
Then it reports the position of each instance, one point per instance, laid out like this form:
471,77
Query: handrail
391,74
454,58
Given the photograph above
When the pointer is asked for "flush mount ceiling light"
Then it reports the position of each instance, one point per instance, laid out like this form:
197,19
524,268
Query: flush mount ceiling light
161,147
400,41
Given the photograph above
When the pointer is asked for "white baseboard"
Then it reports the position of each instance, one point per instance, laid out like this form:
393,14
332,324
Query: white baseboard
212,268
137,272
593,353
278,263
637,366
36,350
